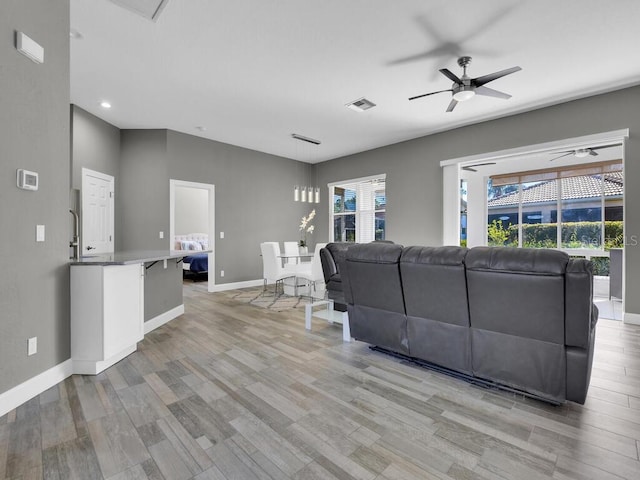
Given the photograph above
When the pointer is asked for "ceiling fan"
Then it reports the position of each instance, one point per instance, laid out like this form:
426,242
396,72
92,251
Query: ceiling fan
470,168
465,87
583,152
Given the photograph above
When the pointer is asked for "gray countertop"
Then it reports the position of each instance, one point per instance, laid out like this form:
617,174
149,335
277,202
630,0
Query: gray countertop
132,257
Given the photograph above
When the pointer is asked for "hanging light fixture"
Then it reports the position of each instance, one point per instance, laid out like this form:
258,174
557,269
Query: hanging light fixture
308,194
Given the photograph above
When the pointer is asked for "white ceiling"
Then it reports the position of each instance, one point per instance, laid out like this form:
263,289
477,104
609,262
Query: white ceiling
252,72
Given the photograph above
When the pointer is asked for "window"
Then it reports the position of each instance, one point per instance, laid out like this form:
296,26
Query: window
575,207
359,210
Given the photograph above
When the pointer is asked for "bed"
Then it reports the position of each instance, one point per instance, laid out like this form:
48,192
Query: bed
194,262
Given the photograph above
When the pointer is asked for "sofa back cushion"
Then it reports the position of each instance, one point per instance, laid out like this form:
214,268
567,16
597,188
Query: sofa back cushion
435,292
517,291
374,276
434,283
373,291
516,313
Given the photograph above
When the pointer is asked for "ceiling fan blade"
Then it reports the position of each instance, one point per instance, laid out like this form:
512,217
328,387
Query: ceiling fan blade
565,155
452,105
493,76
606,146
427,94
451,76
592,152
490,92
482,164
469,169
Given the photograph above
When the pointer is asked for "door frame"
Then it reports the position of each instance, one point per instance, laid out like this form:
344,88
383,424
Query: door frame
212,218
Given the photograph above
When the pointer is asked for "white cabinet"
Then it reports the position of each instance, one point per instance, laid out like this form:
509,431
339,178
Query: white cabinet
107,314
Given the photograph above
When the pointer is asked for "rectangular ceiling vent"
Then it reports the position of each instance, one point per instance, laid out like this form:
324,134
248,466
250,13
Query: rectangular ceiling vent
305,139
149,9
361,105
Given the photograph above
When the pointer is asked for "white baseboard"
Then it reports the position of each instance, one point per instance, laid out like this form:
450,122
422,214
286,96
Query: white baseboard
163,318
631,318
232,286
34,386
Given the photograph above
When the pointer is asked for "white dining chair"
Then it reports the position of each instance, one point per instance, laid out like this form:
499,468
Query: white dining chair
272,269
291,248
312,271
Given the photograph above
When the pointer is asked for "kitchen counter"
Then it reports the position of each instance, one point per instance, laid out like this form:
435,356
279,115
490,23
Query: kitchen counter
116,298
132,257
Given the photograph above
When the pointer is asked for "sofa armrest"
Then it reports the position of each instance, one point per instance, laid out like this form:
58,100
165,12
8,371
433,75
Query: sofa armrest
580,313
329,267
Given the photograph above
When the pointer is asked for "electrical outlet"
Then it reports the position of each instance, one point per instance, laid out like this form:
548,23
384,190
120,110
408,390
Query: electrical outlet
32,346
221,234
161,234
222,273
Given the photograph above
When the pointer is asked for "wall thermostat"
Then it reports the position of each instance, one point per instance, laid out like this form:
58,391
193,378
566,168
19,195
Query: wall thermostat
27,180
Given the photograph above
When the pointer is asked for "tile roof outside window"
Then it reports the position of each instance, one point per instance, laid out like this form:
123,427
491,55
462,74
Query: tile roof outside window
587,186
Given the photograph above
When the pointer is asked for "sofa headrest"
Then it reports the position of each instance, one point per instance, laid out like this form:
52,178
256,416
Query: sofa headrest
449,255
338,250
524,260
376,252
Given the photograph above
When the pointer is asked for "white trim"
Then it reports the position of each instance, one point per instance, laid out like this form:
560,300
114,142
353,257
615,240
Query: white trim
93,367
576,142
163,318
382,176
451,195
631,318
232,286
212,222
19,394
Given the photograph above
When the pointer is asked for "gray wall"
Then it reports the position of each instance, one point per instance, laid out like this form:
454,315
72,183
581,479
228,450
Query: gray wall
95,144
254,199
143,202
34,134
162,288
191,210
414,177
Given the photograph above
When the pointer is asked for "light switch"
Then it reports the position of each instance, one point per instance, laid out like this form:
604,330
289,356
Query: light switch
221,234
32,346
161,235
39,233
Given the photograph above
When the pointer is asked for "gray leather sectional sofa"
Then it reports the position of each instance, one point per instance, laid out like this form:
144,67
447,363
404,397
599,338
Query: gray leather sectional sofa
520,318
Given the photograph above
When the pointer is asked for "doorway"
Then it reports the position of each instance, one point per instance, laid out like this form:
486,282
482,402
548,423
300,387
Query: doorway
192,213
97,212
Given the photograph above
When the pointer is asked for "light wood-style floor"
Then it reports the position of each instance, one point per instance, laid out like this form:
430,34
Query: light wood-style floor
230,391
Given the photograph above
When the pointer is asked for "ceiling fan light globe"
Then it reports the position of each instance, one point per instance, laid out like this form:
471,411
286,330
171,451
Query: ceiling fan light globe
582,152
464,95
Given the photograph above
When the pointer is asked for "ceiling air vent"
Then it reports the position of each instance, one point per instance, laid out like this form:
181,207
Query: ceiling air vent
361,105
305,139
149,9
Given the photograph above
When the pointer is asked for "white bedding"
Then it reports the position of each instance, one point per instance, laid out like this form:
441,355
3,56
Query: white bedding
192,242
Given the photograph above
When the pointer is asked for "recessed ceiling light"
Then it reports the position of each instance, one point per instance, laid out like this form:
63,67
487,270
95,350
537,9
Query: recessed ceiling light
75,34
105,104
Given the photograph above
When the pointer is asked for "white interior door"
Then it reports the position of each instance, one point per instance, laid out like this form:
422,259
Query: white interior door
97,212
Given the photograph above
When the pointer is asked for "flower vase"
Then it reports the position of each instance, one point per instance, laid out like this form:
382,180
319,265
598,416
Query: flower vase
303,250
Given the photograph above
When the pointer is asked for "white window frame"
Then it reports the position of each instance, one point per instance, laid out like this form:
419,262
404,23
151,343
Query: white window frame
364,214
